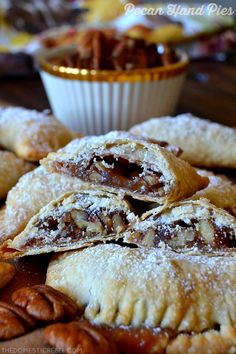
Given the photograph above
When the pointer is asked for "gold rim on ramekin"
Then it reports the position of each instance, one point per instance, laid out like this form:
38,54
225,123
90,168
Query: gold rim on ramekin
136,75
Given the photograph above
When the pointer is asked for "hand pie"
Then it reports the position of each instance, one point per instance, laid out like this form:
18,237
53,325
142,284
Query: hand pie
31,134
11,169
74,220
129,165
33,191
204,143
194,225
148,287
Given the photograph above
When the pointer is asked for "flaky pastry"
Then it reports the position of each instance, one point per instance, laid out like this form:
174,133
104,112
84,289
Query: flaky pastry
11,169
33,191
220,191
75,220
195,225
148,287
204,143
128,165
31,134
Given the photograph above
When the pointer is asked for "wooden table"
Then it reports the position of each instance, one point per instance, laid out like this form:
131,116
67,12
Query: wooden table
209,91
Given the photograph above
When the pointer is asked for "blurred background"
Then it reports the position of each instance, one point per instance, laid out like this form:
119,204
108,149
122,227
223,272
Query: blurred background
29,28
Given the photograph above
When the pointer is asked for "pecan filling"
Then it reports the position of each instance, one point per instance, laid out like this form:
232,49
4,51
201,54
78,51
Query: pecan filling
203,234
118,172
74,225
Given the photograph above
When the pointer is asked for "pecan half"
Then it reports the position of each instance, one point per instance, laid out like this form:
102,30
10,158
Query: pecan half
13,321
45,303
80,337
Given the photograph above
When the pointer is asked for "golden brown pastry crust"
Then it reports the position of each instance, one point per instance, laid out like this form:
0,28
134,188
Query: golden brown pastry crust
204,143
75,220
189,225
11,169
128,165
220,191
33,191
148,287
209,342
31,134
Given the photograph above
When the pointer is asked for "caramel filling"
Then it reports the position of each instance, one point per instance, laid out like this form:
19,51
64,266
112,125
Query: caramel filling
74,225
118,172
204,234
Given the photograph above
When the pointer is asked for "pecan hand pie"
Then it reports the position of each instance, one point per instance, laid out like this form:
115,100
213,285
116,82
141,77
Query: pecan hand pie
128,164
31,134
195,225
204,143
148,287
75,220
11,169
33,191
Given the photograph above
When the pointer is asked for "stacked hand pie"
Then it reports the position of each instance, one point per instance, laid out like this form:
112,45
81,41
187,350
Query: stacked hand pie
29,136
148,242
117,172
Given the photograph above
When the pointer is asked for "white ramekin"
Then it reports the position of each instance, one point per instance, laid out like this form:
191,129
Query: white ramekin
95,102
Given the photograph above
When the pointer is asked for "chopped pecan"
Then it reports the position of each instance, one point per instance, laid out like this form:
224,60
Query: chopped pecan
13,321
45,303
110,50
80,337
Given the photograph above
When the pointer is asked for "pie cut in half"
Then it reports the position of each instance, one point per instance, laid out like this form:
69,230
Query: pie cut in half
11,169
30,134
128,164
204,143
33,191
73,221
190,225
122,286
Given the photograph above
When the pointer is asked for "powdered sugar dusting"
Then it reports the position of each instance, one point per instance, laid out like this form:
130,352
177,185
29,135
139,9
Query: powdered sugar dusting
33,191
31,132
171,287
204,143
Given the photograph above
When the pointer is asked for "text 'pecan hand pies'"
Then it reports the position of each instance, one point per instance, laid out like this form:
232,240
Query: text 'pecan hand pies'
74,220
11,169
204,143
33,191
148,287
31,134
196,225
128,164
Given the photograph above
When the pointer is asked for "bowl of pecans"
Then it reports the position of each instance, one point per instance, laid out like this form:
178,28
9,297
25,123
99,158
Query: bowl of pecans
108,81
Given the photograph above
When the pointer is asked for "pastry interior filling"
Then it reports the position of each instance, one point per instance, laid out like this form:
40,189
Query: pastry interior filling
119,172
203,234
74,225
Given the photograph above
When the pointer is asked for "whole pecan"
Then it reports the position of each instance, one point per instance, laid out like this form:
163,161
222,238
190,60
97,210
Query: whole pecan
45,303
13,321
80,337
